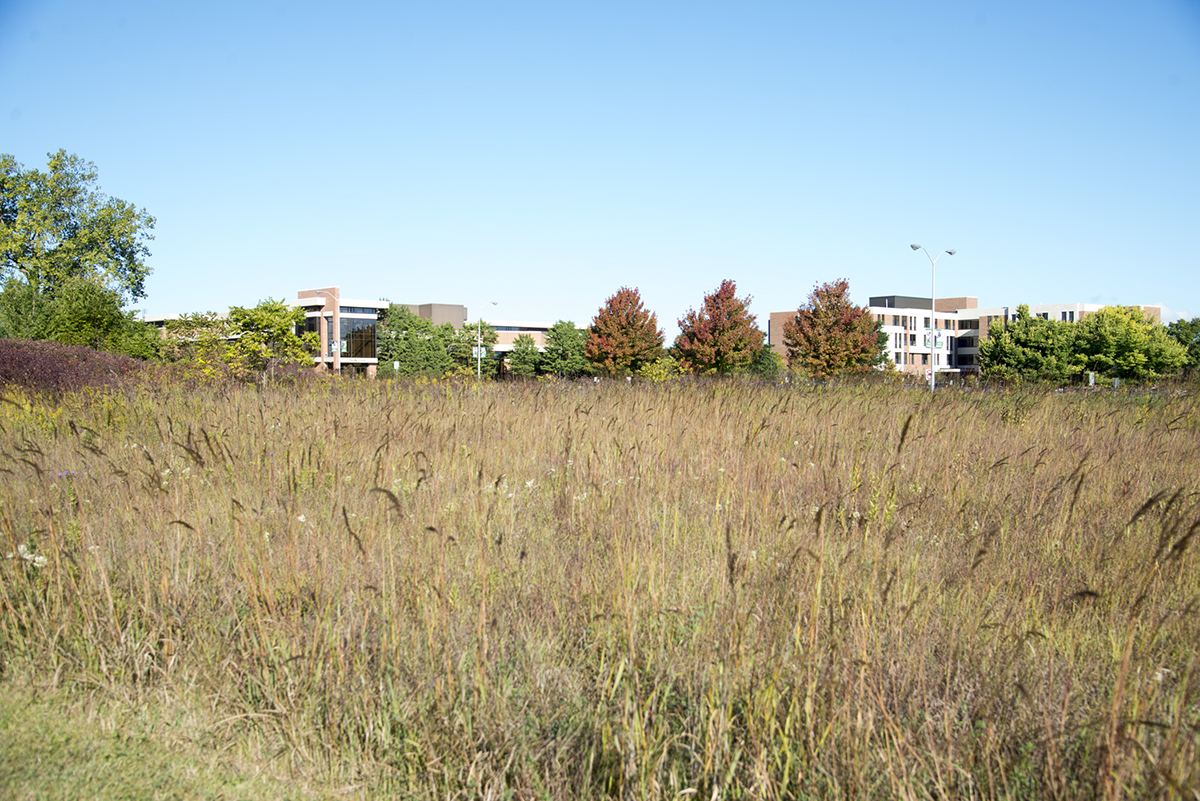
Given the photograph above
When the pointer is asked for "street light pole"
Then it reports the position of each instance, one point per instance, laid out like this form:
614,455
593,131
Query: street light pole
932,305
479,347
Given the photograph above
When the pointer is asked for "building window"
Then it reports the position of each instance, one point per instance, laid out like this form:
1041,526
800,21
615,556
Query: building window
358,338
924,358
897,355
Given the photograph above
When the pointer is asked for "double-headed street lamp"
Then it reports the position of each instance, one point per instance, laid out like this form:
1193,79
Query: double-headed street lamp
932,303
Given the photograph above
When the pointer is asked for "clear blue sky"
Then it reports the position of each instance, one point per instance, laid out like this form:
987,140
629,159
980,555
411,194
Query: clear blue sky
543,154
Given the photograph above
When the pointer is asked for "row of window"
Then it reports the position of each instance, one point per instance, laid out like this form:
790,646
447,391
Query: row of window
903,321
963,360
911,358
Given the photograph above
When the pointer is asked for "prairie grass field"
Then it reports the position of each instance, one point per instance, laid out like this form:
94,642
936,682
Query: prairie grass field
526,590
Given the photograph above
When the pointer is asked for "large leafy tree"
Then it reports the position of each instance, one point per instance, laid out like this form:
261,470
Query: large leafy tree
831,336
1187,333
266,337
1029,348
624,335
247,343
411,346
56,226
524,359
565,352
1120,342
721,336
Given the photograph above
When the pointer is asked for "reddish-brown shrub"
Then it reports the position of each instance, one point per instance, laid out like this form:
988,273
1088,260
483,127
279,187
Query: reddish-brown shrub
48,366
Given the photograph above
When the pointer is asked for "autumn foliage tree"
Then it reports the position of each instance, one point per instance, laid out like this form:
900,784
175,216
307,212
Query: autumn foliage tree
831,336
721,336
624,335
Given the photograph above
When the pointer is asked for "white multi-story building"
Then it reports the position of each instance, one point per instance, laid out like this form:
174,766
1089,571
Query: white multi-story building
946,340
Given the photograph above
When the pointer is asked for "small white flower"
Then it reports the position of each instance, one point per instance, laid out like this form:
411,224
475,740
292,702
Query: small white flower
35,559
529,484
302,518
266,536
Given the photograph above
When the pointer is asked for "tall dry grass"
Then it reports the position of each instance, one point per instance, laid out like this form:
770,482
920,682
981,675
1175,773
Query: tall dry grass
726,590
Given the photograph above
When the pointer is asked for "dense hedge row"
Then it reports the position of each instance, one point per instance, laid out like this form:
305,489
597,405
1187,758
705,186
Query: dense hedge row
48,366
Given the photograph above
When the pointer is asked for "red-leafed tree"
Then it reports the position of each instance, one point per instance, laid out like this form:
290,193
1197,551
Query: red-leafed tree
831,336
721,336
624,335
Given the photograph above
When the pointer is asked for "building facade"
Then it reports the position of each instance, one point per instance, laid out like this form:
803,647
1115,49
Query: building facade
921,343
347,329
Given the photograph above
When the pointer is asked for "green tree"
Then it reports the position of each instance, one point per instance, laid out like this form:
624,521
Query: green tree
82,312
267,338
462,349
248,343
56,226
830,336
525,358
624,335
721,336
565,354
1187,333
767,364
411,346
1120,342
1029,348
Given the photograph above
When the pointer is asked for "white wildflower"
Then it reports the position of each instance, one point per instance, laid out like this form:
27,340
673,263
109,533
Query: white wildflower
35,559
303,518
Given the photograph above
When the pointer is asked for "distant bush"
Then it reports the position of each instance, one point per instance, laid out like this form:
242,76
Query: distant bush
48,366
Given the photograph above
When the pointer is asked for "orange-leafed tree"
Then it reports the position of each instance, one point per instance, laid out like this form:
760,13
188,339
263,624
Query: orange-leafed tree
720,336
624,335
830,336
